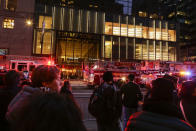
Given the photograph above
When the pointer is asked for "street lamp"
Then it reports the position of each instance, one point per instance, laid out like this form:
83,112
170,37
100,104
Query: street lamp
29,22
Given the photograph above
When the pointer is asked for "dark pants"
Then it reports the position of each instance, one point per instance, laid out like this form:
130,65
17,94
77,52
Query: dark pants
108,127
127,113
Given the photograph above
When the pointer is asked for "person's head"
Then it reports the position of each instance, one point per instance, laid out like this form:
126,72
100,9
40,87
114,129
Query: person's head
12,78
131,77
49,112
46,76
108,77
171,78
162,89
66,86
188,89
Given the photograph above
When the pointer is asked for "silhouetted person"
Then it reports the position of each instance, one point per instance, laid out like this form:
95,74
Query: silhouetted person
66,89
131,95
188,101
7,93
48,112
44,79
159,112
105,105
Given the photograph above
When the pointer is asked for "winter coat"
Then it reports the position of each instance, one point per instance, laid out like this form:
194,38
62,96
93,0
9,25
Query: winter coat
6,96
189,107
148,121
131,95
18,101
158,115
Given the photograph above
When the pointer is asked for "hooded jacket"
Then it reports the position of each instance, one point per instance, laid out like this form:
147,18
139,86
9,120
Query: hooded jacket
18,101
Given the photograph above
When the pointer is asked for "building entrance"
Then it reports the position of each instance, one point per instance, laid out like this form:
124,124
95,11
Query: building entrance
75,49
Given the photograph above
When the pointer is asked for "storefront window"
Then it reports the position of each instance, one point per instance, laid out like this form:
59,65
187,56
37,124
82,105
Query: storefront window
108,47
151,50
158,50
138,50
165,51
171,52
145,50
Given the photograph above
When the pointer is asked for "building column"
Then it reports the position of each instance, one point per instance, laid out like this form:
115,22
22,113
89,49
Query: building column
147,42
102,47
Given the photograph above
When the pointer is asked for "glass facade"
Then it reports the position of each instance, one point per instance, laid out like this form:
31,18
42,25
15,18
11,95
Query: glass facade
80,35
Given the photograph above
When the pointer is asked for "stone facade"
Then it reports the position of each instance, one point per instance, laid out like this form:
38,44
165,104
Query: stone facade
19,39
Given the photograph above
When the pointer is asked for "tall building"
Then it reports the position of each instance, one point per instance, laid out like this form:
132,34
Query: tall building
181,12
127,6
74,34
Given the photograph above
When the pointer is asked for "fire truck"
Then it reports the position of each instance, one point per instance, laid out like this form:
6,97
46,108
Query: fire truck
94,75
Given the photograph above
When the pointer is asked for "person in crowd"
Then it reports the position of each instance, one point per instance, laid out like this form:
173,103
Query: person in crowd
159,112
44,79
131,95
49,112
175,91
66,89
7,93
105,105
188,101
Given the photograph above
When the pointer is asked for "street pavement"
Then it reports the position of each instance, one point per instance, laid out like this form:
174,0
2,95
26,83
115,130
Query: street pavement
82,94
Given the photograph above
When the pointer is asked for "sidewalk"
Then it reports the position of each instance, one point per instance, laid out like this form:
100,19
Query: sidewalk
78,84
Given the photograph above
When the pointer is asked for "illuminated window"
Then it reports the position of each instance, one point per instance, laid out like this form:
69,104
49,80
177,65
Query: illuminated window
45,22
8,23
43,43
181,13
154,16
187,22
142,14
171,14
108,49
71,2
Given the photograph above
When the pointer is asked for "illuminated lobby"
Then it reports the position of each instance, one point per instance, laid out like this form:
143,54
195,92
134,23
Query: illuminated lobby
73,36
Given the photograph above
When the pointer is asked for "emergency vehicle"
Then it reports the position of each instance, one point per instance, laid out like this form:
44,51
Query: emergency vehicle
94,75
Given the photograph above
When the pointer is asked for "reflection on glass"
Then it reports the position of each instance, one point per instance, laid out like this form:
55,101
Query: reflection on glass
45,22
165,51
138,51
108,49
140,31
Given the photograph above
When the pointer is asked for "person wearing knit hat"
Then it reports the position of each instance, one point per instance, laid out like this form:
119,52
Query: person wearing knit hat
159,111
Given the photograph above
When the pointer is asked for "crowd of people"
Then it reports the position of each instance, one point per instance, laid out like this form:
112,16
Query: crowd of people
46,103
164,107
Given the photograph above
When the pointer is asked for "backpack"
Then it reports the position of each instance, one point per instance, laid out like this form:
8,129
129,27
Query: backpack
105,103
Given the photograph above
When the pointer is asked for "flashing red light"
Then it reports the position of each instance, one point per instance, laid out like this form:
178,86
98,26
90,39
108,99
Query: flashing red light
50,63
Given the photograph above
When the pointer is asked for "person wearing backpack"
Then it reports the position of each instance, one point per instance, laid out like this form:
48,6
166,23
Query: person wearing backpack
105,105
131,94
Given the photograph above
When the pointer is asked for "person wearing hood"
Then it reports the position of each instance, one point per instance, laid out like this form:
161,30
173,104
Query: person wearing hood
159,111
44,79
